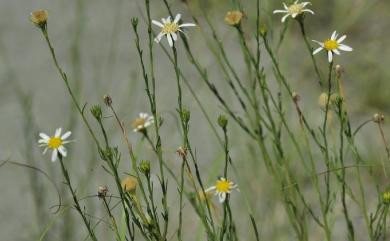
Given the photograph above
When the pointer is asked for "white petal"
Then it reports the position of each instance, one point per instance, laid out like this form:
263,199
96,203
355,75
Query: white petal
62,151
285,6
44,136
168,19
222,197
334,34
308,10
58,132
317,50
187,25
177,18
174,36
54,155
336,51
341,39
284,17
330,56
66,135
294,15
320,43
280,11
304,4
44,151
170,42
43,141
345,47
157,23
159,36
163,21
210,189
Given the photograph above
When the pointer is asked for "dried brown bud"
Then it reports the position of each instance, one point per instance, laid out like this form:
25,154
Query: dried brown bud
102,191
182,151
379,118
339,70
107,100
295,96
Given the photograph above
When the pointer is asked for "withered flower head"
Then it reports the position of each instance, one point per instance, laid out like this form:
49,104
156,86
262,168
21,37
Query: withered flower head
39,17
233,18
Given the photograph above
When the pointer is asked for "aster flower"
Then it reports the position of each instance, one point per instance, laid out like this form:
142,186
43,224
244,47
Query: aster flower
222,188
333,45
294,10
142,122
56,143
170,29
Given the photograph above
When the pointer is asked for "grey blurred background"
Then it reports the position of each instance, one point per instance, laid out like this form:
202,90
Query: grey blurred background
94,44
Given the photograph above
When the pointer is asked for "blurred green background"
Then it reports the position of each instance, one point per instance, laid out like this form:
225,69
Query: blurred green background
94,44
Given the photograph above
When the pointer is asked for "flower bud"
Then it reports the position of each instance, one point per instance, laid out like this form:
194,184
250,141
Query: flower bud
386,197
263,30
222,121
96,111
144,167
186,115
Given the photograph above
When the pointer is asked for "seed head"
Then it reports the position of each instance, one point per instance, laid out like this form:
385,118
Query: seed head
107,100
379,118
102,191
182,151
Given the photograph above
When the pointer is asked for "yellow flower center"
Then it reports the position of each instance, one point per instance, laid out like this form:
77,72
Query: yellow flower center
138,122
54,142
170,28
330,44
222,186
295,8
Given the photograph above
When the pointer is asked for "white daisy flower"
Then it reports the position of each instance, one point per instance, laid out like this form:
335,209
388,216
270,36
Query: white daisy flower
332,45
56,143
294,10
142,122
170,29
222,188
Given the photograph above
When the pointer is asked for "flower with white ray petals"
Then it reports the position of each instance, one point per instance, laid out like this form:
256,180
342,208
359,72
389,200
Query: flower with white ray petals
56,143
222,188
294,10
332,45
170,29
142,122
